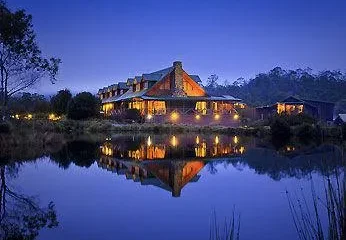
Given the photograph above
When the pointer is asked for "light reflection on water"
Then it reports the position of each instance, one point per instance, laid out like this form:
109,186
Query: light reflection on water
166,186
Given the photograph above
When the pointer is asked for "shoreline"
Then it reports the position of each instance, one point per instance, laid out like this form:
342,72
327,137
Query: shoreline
96,126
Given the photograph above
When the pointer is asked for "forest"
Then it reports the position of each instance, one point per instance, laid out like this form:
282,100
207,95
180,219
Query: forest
277,84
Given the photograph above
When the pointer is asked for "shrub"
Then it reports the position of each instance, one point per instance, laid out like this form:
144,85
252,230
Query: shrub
280,128
59,102
5,127
306,131
294,119
128,116
84,105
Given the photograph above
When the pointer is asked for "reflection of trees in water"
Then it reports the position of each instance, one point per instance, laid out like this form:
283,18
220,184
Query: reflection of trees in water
82,153
20,216
323,159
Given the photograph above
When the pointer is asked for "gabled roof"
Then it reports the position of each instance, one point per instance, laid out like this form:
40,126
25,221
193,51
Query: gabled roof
123,85
129,81
292,99
342,116
158,75
195,78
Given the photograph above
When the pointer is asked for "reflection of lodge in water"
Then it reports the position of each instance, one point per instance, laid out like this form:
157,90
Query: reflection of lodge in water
168,162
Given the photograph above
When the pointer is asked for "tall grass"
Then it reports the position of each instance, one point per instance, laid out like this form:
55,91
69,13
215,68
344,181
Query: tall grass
308,219
228,230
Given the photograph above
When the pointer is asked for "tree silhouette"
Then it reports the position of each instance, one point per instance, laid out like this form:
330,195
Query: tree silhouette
20,216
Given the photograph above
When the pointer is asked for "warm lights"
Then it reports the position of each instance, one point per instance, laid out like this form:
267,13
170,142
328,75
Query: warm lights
198,117
53,117
236,117
197,140
16,116
217,140
28,117
235,139
174,116
149,116
174,141
217,116
149,142
242,150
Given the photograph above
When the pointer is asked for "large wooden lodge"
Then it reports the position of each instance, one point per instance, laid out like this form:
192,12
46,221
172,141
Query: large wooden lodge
170,95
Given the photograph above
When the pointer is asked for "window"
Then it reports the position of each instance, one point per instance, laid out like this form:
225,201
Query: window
201,107
157,107
138,87
215,107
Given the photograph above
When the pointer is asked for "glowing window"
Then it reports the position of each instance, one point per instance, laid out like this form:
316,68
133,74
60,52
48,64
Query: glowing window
201,107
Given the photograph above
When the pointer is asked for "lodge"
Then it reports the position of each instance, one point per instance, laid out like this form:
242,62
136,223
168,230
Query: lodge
170,95
320,110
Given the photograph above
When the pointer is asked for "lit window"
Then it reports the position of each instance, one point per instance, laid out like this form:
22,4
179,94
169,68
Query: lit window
201,107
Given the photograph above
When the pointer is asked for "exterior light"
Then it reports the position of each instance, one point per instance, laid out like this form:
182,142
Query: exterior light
149,116
241,150
197,140
217,140
236,117
149,142
16,116
174,116
198,117
53,117
235,139
174,141
217,116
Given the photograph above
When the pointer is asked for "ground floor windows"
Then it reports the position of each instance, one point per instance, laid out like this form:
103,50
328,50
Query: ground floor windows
107,108
201,107
289,108
156,107
136,105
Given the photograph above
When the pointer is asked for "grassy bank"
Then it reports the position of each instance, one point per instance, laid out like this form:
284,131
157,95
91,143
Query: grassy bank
309,131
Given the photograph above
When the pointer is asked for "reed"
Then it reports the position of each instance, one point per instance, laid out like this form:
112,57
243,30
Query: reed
228,230
308,220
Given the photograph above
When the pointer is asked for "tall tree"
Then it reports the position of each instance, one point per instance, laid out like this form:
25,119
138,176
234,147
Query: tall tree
21,62
60,101
84,105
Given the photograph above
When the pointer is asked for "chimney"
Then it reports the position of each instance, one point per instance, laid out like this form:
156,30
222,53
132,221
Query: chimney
178,88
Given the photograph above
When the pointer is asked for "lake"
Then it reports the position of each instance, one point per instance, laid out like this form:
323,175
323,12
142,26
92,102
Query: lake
167,186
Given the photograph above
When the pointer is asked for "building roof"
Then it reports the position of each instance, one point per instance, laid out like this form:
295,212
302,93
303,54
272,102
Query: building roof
129,81
196,78
123,85
342,116
292,100
157,76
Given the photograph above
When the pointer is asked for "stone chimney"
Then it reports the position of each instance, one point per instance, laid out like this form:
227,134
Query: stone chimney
178,87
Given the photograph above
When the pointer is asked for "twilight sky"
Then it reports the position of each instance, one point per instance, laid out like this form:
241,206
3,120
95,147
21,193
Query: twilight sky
102,42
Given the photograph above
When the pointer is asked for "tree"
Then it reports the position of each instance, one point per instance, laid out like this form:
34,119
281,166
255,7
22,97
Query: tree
59,102
20,216
28,103
21,62
84,105
212,81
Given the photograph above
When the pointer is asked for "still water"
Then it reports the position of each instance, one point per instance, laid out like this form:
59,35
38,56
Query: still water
169,186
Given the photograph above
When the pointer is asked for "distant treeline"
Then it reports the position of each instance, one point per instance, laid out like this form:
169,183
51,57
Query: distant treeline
81,106
277,84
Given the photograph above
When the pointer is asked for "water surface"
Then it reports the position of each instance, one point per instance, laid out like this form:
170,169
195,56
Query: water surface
168,186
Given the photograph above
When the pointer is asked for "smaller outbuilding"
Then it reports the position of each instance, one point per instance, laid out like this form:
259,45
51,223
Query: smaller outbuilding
320,110
340,119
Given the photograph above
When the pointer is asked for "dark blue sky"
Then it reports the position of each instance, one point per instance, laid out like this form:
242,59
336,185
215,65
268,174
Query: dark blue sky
102,42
